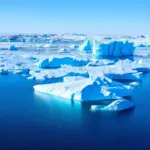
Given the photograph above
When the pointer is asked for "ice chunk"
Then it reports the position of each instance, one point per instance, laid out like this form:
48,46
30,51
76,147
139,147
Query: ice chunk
118,105
77,90
13,48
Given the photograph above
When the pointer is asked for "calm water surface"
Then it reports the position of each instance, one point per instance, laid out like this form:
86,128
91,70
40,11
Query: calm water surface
35,121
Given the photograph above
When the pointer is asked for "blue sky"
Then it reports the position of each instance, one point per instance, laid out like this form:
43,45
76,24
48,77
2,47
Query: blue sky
80,16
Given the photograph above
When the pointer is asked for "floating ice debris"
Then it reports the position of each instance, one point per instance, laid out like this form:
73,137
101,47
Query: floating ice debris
82,90
13,48
118,105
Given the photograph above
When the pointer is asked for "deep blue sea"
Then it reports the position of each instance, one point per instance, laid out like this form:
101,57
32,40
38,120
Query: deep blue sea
35,121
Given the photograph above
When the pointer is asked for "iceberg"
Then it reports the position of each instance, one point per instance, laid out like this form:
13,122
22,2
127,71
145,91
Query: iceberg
79,90
113,49
118,105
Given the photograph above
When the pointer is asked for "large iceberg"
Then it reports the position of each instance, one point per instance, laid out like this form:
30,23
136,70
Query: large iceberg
113,49
77,90
118,105
81,89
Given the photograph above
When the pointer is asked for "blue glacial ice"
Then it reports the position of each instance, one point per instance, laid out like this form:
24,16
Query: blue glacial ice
117,105
113,49
13,48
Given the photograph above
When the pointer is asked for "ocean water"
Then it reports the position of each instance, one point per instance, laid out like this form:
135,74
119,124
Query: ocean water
36,121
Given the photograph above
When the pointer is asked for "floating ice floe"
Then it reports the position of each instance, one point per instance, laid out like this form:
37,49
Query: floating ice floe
54,62
84,90
118,105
